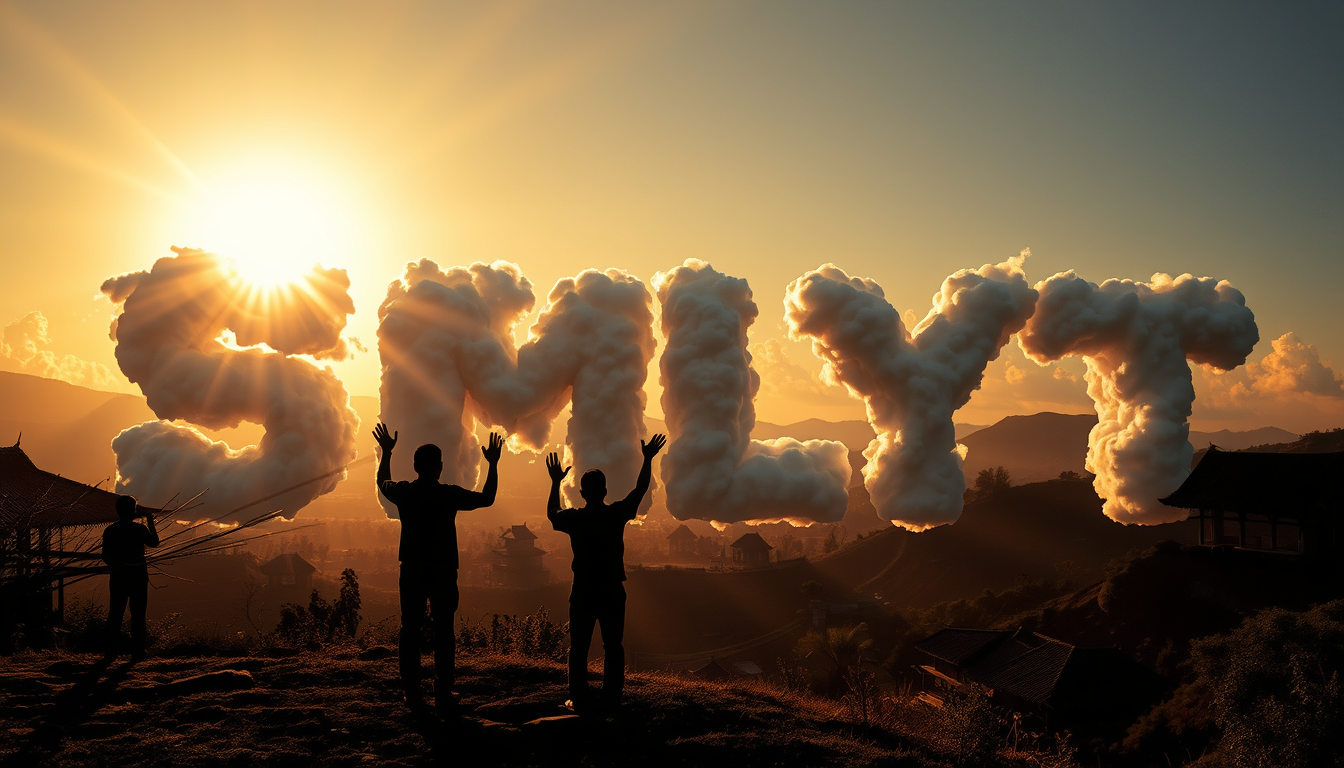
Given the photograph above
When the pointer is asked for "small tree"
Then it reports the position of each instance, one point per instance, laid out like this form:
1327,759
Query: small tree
990,482
970,725
839,650
320,621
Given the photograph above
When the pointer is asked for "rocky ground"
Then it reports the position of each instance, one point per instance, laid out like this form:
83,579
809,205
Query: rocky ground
343,707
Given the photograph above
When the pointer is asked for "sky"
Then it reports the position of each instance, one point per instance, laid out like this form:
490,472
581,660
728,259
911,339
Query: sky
900,141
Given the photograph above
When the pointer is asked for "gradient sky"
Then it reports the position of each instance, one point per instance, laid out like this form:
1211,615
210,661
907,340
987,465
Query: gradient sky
901,141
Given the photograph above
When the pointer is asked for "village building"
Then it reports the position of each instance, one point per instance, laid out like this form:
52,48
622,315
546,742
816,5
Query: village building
682,542
1287,503
1054,684
751,551
289,577
517,564
48,529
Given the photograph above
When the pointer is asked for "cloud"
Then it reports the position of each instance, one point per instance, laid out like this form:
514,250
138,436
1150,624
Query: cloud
1136,338
445,338
23,348
911,382
168,339
1293,368
713,470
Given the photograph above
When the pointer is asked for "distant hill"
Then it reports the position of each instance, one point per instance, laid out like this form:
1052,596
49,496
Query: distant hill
66,429
1031,448
1040,529
1040,446
1329,441
1228,440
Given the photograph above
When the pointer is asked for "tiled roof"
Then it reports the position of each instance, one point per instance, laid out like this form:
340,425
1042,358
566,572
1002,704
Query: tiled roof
955,646
751,541
30,497
682,532
1237,481
1022,663
1032,674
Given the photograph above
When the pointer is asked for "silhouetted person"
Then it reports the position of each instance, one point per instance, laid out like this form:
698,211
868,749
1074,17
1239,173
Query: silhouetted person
124,545
597,536
428,511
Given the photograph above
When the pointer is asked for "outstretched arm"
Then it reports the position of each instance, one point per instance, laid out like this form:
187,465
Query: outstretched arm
386,442
486,496
557,474
650,449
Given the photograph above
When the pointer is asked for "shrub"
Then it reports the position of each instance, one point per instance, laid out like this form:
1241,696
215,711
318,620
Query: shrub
1276,689
533,636
321,622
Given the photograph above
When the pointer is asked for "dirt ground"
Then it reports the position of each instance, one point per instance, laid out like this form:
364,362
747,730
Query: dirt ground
343,708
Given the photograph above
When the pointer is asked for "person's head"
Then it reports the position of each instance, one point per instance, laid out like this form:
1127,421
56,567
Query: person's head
593,486
429,461
126,507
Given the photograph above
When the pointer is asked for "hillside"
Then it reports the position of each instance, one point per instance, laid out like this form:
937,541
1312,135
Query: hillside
1044,529
1151,604
1042,445
342,707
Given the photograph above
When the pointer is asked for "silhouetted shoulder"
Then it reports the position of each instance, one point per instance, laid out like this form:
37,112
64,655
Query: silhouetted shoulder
562,520
394,490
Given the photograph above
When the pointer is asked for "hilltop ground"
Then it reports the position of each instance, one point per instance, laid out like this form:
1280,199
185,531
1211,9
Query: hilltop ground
342,707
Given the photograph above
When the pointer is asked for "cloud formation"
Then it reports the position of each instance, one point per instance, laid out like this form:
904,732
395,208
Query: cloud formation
713,469
23,349
445,338
168,338
911,382
1136,338
1293,368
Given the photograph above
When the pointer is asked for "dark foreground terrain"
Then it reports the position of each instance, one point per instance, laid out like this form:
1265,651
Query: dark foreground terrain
342,707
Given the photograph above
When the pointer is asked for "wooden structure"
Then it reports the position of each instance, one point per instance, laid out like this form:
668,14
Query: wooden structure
289,576
1289,503
751,551
1053,683
39,511
517,564
682,541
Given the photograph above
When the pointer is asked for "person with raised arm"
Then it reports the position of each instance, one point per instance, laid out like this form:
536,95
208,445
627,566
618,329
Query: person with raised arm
124,545
597,536
428,553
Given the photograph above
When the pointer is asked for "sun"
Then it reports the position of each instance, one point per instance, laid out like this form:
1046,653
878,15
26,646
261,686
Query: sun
274,223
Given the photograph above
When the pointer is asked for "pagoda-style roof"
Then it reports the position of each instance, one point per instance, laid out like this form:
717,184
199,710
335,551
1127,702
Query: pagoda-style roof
1261,483
751,541
33,498
683,533
519,533
289,566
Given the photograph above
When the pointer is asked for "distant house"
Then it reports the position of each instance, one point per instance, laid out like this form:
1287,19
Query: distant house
1270,502
289,576
751,551
1058,684
37,508
682,541
517,564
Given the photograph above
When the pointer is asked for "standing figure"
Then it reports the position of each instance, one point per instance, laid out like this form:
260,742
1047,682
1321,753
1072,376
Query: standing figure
428,553
124,545
597,536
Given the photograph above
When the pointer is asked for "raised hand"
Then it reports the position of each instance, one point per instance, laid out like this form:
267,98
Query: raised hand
496,445
653,446
553,468
385,441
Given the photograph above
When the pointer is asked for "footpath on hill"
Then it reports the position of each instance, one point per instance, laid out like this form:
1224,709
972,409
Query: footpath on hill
342,708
